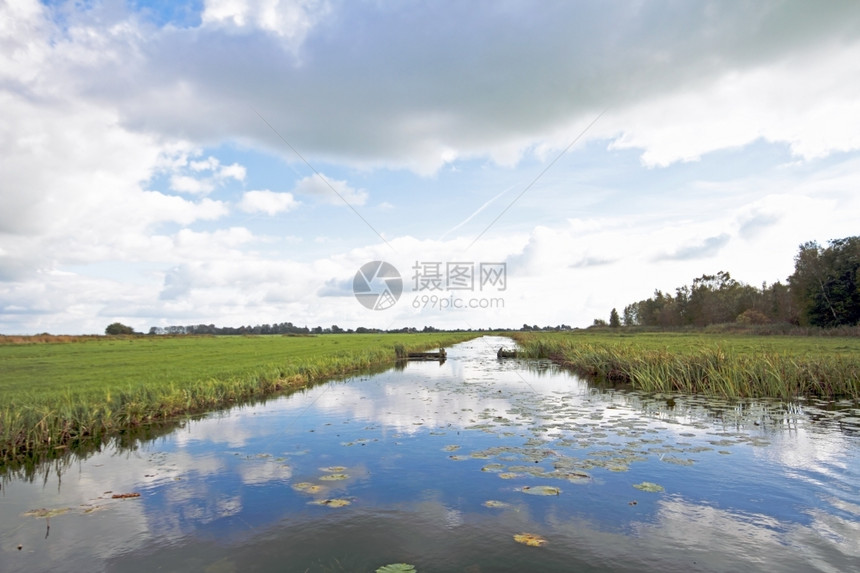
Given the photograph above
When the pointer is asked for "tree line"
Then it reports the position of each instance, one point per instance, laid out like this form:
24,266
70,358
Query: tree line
277,328
823,291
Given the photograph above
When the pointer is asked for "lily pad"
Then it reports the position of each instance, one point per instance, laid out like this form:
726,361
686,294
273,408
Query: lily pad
508,475
451,448
333,469
307,487
337,502
42,512
397,568
649,486
540,490
496,504
334,477
530,539
495,468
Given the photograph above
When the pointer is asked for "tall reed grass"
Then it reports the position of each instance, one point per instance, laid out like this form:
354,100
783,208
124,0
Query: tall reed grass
716,367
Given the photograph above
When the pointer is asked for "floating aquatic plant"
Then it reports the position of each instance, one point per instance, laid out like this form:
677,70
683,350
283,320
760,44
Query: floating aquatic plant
334,469
496,504
335,477
649,486
397,568
336,502
42,512
540,490
307,487
530,539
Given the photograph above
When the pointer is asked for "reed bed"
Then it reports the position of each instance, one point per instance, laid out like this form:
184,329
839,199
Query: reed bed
55,396
717,366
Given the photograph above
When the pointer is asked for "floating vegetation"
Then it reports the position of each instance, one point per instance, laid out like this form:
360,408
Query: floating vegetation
397,568
336,502
540,490
678,461
496,504
492,468
451,448
617,467
125,495
334,469
42,512
334,477
307,487
530,539
508,475
649,486
574,477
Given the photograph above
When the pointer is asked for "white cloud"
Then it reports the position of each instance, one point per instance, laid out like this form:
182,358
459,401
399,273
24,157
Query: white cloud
187,184
102,121
798,100
269,202
289,19
331,190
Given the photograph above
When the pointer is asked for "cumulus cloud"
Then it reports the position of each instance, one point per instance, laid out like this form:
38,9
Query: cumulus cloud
331,190
289,19
122,161
707,247
268,202
392,96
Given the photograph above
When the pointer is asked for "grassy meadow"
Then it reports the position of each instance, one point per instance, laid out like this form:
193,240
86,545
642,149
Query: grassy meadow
727,365
60,391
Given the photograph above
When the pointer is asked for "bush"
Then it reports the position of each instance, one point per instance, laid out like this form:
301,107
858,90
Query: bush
752,316
118,328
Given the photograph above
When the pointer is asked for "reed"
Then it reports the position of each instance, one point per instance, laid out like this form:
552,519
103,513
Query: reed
68,393
713,365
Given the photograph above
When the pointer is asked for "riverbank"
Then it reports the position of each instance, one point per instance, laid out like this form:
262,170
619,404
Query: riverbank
55,395
702,363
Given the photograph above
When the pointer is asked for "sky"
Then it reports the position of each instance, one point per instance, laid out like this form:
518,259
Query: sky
239,162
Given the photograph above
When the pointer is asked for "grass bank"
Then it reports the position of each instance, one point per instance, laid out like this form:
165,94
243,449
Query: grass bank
707,363
56,394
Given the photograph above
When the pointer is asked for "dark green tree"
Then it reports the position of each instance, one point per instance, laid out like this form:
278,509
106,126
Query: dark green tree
118,328
826,283
614,319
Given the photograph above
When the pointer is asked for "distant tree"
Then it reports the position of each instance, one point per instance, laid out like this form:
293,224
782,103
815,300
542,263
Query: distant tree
752,316
599,322
826,283
614,319
118,328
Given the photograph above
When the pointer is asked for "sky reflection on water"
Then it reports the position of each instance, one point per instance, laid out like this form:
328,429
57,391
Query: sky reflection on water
415,455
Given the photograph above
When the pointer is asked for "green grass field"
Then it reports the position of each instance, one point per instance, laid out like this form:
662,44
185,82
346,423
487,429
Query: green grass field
730,365
64,391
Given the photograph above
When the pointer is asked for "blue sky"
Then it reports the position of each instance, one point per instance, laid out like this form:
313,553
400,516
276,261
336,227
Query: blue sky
237,161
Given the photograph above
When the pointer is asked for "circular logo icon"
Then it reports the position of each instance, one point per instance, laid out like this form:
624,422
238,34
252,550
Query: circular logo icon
377,285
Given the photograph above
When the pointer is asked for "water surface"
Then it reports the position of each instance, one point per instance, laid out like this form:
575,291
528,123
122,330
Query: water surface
437,466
